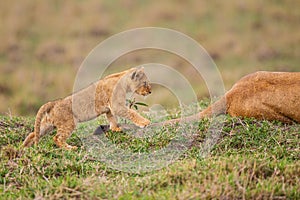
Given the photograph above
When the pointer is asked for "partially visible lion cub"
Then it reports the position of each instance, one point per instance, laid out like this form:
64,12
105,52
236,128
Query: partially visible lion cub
106,96
261,95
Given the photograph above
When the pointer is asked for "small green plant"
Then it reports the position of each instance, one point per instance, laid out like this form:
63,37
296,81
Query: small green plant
132,103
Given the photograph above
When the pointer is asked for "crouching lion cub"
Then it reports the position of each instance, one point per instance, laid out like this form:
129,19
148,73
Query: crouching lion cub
106,96
261,95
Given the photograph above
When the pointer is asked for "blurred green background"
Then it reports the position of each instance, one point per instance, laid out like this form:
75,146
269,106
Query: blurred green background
44,42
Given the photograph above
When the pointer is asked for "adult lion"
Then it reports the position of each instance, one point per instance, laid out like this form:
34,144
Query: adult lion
261,95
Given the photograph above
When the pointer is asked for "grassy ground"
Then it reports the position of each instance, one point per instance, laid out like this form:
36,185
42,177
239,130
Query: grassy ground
43,43
252,159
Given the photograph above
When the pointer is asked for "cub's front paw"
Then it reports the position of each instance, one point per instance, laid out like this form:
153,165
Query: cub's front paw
116,129
144,123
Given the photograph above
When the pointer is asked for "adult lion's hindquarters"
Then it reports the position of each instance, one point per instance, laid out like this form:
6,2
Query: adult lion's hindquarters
261,95
266,95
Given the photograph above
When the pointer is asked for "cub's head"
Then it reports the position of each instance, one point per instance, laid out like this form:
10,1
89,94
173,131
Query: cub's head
140,82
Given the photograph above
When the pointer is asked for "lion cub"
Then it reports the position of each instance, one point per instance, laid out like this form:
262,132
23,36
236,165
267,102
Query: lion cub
106,96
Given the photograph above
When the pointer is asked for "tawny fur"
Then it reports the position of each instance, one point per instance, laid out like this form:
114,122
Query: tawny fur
261,95
106,96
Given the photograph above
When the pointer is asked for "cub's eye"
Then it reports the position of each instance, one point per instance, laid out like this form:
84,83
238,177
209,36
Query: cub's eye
145,83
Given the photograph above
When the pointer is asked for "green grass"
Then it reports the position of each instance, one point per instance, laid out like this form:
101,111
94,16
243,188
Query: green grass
40,53
252,159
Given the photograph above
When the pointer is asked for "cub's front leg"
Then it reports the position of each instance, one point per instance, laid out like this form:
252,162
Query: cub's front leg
113,125
130,114
138,119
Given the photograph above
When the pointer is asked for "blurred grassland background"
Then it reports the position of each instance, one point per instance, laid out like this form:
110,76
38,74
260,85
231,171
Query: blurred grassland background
44,42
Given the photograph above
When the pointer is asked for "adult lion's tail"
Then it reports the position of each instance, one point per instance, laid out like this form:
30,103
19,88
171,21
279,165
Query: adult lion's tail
217,108
35,135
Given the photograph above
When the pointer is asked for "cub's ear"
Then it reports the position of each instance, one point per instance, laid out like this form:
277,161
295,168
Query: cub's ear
137,74
134,74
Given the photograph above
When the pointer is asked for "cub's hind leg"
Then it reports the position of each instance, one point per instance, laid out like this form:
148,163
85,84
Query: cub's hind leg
63,133
33,137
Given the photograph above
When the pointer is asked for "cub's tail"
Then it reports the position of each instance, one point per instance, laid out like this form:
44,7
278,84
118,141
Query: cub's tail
35,135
